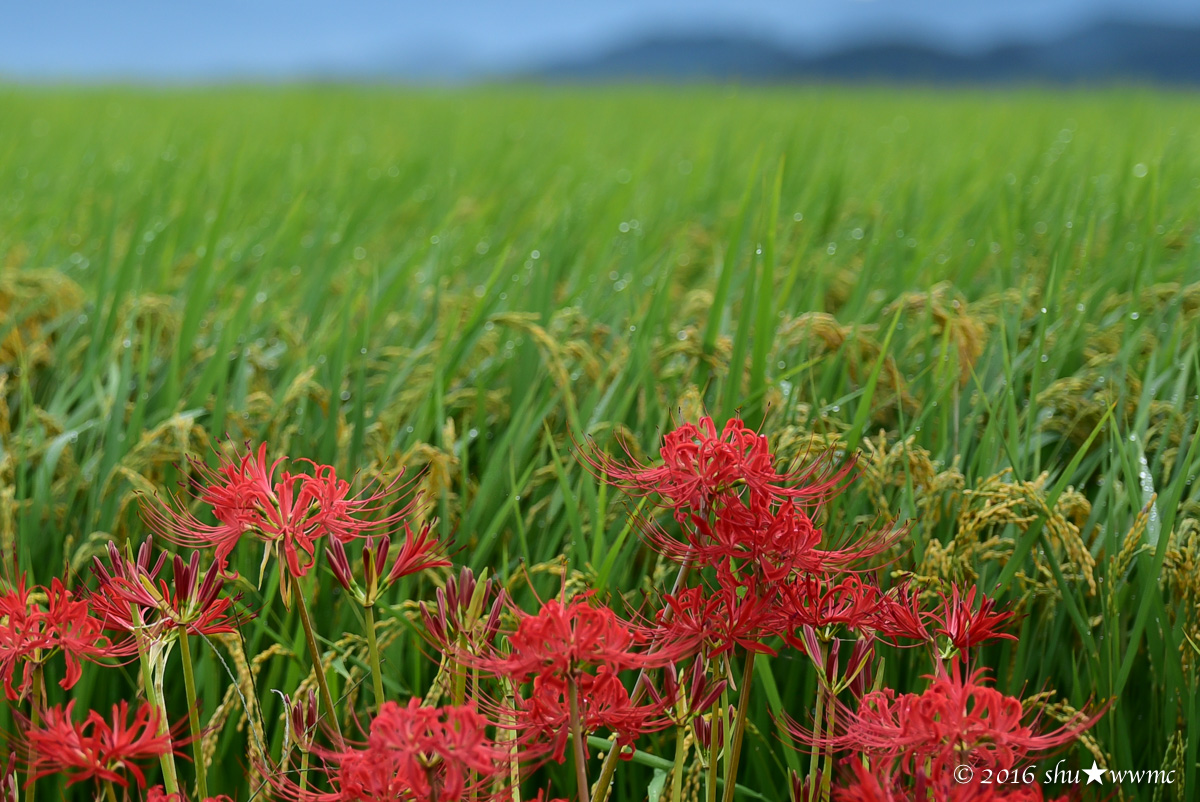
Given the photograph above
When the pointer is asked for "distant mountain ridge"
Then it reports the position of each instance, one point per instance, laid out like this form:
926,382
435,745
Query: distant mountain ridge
1105,52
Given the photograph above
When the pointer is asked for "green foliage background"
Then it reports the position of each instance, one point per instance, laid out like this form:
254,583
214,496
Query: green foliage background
956,285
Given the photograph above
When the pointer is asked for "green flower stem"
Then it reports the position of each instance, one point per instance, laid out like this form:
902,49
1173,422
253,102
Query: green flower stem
739,727
581,781
681,751
713,753
35,718
189,686
818,722
109,791
373,648
831,721
303,772
167,760
319,668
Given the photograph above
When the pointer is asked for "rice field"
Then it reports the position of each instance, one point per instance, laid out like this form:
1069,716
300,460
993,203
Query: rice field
993,300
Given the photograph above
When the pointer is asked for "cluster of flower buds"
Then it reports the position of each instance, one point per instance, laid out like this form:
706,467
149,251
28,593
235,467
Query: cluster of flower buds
691,698
710,729
132,598
418,552
467,613
302,719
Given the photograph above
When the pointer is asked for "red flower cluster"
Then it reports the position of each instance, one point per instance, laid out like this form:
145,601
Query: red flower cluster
289,512
430,754
132,598
910,738
757,575
576,647
30,633
702,469
99,749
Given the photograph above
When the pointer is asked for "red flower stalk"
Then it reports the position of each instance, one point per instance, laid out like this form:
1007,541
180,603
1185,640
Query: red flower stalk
434,754
542,718
700,470
958,719
129,600
967,626
287,511
97,749
418,553
563,639
29,635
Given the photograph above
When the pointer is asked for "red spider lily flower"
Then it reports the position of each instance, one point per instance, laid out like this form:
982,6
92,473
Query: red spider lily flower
700,468
698,620
821,601
563,639
104,750
967,626
764,542
543,717
418,553
346,516
132,602
770,542
30,635
900,615
957,719
289,512
440,754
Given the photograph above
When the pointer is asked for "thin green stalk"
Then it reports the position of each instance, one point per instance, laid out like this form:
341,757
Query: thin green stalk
167,760
35,718
109,791
827,776
373,648
739,728
711,788
322,682
681,751
189,686
818,722
581,781
303,773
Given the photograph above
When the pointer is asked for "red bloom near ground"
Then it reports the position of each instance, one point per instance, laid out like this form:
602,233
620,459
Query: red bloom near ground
99,749
430,754
957,719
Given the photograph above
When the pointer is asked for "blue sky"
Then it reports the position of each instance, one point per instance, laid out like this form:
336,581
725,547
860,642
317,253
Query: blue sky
170,40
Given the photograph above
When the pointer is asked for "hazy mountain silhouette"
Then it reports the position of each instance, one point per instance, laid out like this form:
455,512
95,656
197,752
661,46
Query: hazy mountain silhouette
1105,52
